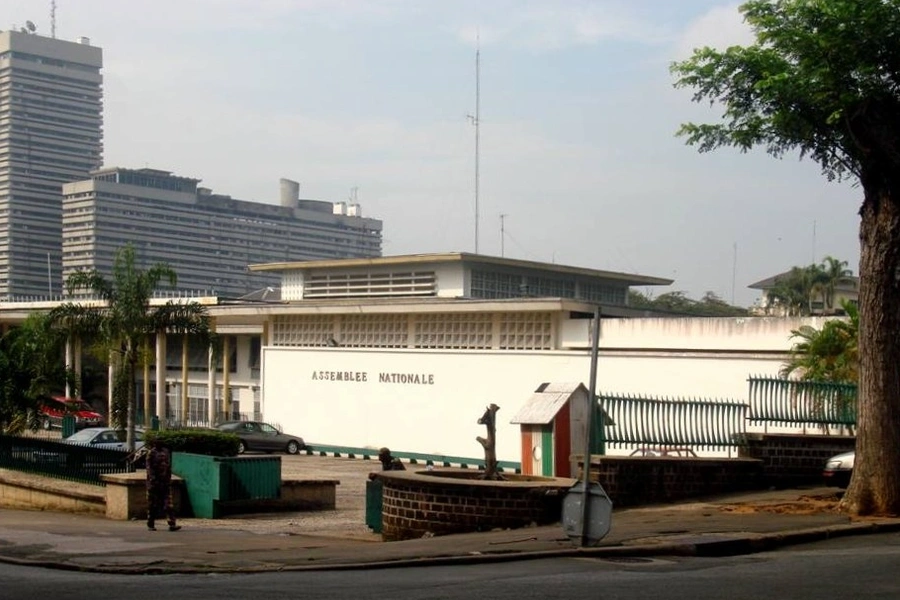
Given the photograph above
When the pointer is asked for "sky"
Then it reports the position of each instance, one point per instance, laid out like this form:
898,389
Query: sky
578,159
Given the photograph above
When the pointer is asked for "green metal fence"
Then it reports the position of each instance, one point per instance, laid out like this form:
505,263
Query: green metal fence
72,462
801,402
673,423
412,458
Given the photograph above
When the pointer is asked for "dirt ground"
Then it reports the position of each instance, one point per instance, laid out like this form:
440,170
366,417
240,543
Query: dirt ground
805,505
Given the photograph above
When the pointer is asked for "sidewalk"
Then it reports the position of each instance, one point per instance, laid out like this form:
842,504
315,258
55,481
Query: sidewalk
728,525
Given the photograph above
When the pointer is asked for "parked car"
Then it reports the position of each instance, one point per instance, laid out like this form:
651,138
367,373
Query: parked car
105,437
54,409
263,437
838,469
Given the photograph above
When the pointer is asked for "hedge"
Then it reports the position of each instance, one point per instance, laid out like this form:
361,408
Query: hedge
196,441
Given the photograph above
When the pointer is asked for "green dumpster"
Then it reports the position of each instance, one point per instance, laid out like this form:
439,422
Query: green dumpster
213,480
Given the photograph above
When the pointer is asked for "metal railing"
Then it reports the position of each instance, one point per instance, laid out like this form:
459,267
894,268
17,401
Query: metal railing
681,423
58,459
412,458
802,402
174,421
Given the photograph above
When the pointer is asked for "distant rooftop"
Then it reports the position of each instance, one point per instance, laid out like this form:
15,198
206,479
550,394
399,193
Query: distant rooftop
459,257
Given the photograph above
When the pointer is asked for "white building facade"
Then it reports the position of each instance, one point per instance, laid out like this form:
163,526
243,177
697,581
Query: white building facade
402,352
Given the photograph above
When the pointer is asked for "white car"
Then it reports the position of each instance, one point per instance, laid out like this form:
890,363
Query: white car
105,437
838,469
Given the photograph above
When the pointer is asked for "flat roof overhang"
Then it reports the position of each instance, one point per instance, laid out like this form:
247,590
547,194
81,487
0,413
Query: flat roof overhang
457,257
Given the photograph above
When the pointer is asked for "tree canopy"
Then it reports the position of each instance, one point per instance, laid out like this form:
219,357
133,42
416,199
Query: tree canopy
711,305
30,370
823,79
827,354
798,291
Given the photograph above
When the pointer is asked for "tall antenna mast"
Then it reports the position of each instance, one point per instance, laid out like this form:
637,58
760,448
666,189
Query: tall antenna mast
814,243
502,234
476,121
733,273
53,18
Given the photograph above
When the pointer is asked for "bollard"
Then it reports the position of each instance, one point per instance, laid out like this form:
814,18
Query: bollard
68,425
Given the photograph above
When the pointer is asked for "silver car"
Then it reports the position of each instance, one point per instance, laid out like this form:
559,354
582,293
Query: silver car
838,469
105,437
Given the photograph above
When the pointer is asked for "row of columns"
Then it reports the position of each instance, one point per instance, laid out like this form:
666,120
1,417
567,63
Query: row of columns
73,364
73,355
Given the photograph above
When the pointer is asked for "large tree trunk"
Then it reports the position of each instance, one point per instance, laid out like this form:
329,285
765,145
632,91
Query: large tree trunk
875,486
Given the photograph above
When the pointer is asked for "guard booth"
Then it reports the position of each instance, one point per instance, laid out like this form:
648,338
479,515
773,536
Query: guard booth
552,424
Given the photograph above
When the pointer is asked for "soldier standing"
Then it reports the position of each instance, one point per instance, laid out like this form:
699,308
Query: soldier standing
159,486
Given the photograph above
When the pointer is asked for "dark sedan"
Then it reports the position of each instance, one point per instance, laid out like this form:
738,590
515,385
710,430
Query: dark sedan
263,437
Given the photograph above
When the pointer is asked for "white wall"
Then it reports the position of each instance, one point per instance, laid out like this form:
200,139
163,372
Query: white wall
703,333
435,418
440,418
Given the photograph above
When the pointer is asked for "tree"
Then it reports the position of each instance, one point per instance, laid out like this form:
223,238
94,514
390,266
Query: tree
823,78
30,370
124,320
711,305
796,291
827,354
835,271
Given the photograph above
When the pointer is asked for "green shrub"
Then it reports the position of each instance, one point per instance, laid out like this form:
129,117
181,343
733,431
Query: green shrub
196,441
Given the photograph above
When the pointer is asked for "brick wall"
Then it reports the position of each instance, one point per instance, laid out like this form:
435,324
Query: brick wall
634,481
448,501
790,460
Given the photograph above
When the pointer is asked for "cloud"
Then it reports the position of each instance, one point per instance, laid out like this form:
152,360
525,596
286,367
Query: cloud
720,27
545,26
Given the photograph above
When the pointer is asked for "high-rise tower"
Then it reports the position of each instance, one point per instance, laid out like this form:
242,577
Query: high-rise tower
50,133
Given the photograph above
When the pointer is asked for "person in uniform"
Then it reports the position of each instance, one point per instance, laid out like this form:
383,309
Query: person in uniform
159,486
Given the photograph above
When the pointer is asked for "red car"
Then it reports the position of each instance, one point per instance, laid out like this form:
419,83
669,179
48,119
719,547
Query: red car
54,409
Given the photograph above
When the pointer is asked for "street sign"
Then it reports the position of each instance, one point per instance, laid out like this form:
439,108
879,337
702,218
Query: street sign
599,514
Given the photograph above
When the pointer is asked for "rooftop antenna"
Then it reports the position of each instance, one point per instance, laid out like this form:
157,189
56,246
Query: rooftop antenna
813,243
476,121
354,191
502,234
53,18
733,273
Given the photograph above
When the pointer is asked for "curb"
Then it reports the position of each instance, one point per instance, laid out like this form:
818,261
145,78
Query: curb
737,546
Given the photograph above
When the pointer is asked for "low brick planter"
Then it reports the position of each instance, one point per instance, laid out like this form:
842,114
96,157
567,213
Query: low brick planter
635,481
447,501
793,459
126,495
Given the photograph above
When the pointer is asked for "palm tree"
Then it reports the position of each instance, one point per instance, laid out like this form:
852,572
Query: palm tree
829,354
124,320
835,271
792,292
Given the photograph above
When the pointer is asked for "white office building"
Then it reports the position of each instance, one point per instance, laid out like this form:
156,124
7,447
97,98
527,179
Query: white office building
208,239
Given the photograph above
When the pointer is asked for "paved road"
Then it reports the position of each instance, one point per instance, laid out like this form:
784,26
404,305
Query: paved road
861,568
